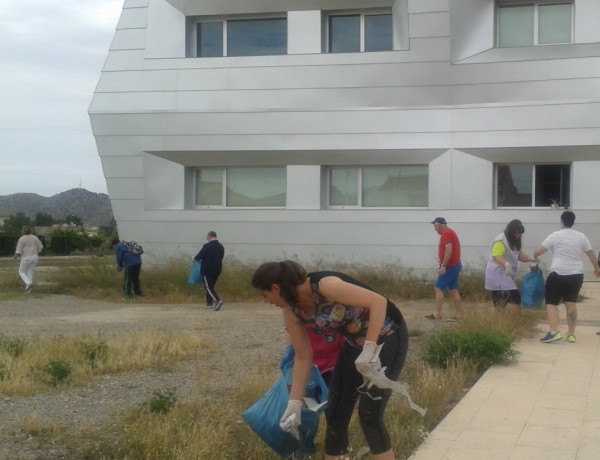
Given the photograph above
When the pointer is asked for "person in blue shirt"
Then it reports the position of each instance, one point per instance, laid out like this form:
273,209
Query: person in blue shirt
131,265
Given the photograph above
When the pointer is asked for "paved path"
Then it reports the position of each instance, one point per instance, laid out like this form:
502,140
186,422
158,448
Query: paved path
545,407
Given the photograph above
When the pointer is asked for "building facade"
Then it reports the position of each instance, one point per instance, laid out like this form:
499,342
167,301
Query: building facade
335,131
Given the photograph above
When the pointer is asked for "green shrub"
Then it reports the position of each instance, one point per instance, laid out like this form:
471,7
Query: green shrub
58,371
161,403
482,347
93,350
14,346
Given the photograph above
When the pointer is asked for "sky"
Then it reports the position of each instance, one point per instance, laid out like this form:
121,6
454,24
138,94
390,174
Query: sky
51,56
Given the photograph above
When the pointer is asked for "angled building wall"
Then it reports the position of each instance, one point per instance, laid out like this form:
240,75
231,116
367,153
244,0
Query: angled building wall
443,98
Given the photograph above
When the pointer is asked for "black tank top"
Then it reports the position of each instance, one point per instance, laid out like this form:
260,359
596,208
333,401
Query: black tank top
350,321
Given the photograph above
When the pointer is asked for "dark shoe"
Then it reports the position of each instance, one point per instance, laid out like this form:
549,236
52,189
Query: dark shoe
432,316
550,337
209,307
218,305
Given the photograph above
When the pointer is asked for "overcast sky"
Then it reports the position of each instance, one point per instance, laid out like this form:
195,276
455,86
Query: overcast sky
51,55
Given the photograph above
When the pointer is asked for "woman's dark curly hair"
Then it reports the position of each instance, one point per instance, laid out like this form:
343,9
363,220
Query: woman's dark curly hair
288,275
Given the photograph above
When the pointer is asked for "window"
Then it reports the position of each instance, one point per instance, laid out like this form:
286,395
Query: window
378,186
241,37
526,185
534,23
241,187
353,33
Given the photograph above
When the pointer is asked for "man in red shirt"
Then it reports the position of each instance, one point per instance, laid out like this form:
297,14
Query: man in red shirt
448,270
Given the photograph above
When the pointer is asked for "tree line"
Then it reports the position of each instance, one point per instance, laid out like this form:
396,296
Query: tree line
63,237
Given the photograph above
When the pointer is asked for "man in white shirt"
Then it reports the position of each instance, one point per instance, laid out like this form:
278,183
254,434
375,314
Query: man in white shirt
28,248
566,274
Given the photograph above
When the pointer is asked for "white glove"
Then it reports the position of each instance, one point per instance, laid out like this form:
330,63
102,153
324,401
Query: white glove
507,268
290,420
363,362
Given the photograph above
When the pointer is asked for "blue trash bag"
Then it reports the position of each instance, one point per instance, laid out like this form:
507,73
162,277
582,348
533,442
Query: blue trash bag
533,289
264,414
194,277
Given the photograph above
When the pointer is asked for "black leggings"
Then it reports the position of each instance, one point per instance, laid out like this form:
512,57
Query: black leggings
343,394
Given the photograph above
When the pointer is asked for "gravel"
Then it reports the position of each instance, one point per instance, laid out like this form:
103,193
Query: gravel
242,333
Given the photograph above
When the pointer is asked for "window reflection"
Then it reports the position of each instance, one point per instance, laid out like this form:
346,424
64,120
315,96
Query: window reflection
256,37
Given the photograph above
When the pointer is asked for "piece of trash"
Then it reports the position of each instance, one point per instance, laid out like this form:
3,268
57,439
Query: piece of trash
376,376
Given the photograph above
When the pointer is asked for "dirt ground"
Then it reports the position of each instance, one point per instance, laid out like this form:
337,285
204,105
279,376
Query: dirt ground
243,333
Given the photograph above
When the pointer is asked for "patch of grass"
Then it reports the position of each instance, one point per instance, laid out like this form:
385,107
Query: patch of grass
45,363
162,402
58,371
182,432
482,347
96,278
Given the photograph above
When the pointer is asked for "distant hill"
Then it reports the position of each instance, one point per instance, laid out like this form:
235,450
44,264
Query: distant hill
92,208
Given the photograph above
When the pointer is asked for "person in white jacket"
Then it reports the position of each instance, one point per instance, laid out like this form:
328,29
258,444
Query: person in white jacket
28,248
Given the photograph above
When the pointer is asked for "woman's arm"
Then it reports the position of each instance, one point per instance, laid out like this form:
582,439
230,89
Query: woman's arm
525,258
302,351
594,262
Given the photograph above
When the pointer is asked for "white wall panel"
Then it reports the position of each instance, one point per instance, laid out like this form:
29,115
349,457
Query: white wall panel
471,179
123,166
135,3
587,18
129,39
429,25
420,6
166,31
440,184
304,32
125,187
163,183
471,27
585,182
303,187
134,18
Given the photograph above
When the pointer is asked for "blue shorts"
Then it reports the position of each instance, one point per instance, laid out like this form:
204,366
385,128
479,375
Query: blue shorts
449,280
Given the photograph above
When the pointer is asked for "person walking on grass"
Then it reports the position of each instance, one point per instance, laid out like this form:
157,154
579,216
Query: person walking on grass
332,301
28,248
566,274
501,270
211,259
131,265
448,269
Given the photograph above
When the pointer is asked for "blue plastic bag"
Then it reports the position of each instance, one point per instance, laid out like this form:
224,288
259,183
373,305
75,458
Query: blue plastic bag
194,276
264,414
533,289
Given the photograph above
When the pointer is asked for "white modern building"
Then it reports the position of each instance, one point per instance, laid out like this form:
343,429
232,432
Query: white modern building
336,130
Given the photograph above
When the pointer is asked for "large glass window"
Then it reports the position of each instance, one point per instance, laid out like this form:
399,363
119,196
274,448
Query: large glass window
529,23
209,39
241,187
353,33
378,186
260,37
526,185
241,37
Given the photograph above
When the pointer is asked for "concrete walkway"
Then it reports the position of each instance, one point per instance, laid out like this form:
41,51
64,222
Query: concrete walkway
545,407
